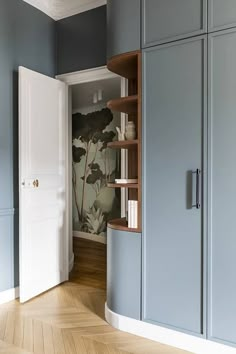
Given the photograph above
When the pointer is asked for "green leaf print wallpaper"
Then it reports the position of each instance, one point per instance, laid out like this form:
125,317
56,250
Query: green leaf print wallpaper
94,164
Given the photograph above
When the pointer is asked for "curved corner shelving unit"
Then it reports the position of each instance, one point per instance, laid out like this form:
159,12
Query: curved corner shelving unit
127,105
123,242
129,66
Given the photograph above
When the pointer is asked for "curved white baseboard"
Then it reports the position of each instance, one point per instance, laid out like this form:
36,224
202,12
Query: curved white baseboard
71,263
165,335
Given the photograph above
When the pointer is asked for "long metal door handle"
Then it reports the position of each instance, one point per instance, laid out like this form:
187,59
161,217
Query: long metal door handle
198,189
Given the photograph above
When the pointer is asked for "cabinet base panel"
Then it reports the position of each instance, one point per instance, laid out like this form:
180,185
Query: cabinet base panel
166,336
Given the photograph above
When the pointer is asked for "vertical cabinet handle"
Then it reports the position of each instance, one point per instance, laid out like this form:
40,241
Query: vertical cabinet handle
198,189
197,173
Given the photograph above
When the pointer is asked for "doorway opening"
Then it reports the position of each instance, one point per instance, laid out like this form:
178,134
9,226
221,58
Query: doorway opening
92,166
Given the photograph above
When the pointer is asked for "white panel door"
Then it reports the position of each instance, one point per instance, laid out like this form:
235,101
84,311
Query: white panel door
42,175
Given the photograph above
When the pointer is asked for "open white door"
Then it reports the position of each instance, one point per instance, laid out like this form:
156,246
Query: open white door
42,175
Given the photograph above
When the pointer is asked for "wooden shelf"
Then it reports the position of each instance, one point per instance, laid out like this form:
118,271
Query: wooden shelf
125,144
125,65
122,225
129,66
123,185
124,104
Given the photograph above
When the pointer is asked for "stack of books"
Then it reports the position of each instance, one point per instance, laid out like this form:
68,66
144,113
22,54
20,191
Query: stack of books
133,214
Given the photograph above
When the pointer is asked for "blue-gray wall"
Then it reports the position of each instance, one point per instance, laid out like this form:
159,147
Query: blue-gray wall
81,41
27,38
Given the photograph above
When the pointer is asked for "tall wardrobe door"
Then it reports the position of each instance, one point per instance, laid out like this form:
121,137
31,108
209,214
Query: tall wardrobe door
221,14
174,84
222,166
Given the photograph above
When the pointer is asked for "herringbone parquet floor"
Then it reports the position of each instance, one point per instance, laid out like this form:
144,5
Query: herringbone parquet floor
69,319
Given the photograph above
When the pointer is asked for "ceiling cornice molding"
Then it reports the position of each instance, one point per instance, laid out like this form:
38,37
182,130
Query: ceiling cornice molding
59,9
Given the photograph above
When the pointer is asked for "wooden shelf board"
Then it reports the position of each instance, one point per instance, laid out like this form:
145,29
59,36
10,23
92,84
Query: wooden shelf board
123,185
121,225
124,104
125,65
125,144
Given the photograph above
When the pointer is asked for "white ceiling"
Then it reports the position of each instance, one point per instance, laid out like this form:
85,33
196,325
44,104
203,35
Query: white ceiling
58,9
82,94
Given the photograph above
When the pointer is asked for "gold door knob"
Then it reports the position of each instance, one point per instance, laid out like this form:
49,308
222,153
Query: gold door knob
36,183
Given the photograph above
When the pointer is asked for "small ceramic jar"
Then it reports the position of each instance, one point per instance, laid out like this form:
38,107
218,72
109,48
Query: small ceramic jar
130,131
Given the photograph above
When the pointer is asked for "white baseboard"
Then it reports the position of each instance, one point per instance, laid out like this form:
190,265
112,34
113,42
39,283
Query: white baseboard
166,336
91,237
71,263
9,295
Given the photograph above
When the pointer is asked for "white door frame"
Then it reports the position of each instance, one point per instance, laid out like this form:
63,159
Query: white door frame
75,78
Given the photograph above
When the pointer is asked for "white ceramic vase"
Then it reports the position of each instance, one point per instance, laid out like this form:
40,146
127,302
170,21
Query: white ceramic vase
130,131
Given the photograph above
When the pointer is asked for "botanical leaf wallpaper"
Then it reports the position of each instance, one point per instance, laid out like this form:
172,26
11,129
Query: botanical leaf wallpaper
94,164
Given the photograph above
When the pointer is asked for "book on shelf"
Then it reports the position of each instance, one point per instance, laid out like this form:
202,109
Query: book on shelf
126,180
133,214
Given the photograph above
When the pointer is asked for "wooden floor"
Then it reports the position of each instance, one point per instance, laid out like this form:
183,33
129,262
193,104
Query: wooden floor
69,319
